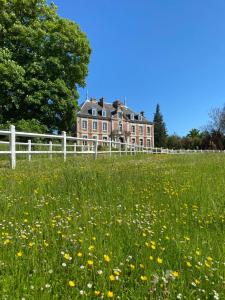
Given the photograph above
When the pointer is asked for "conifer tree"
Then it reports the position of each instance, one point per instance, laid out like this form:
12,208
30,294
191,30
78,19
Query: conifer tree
159,128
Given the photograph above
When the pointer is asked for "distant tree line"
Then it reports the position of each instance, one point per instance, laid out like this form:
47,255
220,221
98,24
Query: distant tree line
211,137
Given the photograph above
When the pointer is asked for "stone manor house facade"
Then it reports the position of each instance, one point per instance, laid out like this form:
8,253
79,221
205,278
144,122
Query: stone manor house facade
115,122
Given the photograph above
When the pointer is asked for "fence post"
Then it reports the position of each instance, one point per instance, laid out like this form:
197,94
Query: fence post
74,148
126,148
64,145
110,148
12,143
50,149
95,149
29,150
120,147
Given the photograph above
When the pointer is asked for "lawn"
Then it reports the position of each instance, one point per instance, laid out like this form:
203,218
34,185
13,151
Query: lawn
144,227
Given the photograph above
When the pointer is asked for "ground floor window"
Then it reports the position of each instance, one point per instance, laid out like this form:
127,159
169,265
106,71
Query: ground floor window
105,138
148,143
141,142
84,137
95,137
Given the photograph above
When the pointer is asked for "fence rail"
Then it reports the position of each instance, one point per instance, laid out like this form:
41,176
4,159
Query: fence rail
73,145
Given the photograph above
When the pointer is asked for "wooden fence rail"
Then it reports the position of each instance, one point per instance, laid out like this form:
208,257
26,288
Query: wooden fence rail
66,145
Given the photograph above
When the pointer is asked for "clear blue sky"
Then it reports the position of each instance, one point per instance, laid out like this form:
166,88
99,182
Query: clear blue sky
170,52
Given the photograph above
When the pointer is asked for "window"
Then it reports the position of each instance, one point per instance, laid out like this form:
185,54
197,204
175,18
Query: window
103,113
95,137
148,143
95,125
132,116
84,142
133,141
120,115
104,126
148,130
120,126
140,129
141,142
94,112
84,124
104,139
140,117
133,128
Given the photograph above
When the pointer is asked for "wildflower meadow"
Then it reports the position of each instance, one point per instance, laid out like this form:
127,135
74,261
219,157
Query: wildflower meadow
143,227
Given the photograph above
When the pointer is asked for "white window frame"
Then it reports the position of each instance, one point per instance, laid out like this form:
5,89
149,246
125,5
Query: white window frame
140,117
140,129
94,110
149,143
84,136
104,113
95,137
94,121
148,129
104,138
84,120
141,142
132,117
133,126
105,123
133,141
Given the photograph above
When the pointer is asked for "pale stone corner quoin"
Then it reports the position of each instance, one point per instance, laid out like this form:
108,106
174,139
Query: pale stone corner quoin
113,121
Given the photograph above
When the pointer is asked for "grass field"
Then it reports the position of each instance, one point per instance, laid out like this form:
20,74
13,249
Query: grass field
144,227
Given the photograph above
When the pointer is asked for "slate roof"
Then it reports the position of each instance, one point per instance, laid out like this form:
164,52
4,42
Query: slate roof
87,106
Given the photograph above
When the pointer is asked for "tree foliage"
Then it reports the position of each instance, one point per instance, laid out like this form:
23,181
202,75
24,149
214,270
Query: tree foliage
159,128
43,59
217,119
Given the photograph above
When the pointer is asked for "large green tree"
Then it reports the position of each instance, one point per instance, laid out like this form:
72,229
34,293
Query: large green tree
43,60
159,128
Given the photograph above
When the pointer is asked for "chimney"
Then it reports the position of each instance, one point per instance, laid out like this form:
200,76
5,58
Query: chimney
93,100
116,104
101,101
142,113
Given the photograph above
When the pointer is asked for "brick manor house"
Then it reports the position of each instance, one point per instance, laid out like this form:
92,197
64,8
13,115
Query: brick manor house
116,122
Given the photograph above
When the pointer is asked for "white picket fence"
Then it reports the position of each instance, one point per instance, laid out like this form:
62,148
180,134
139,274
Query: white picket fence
68,145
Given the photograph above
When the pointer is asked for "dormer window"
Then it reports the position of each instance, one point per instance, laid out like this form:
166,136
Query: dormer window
140,117
94,112
120,115
132,117
104,113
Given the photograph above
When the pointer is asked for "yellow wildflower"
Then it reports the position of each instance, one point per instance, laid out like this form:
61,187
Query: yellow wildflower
106,258
159,260
7,241
144,278
71,283
112,277
110,294
97,293
79,254
67,256
91,248
188,264
90,263
175,274
150,257
19,254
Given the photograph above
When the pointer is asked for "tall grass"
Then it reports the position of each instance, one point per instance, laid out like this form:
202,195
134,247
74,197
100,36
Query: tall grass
144,227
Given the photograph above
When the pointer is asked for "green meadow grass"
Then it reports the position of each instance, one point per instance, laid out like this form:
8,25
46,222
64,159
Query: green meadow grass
143,227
